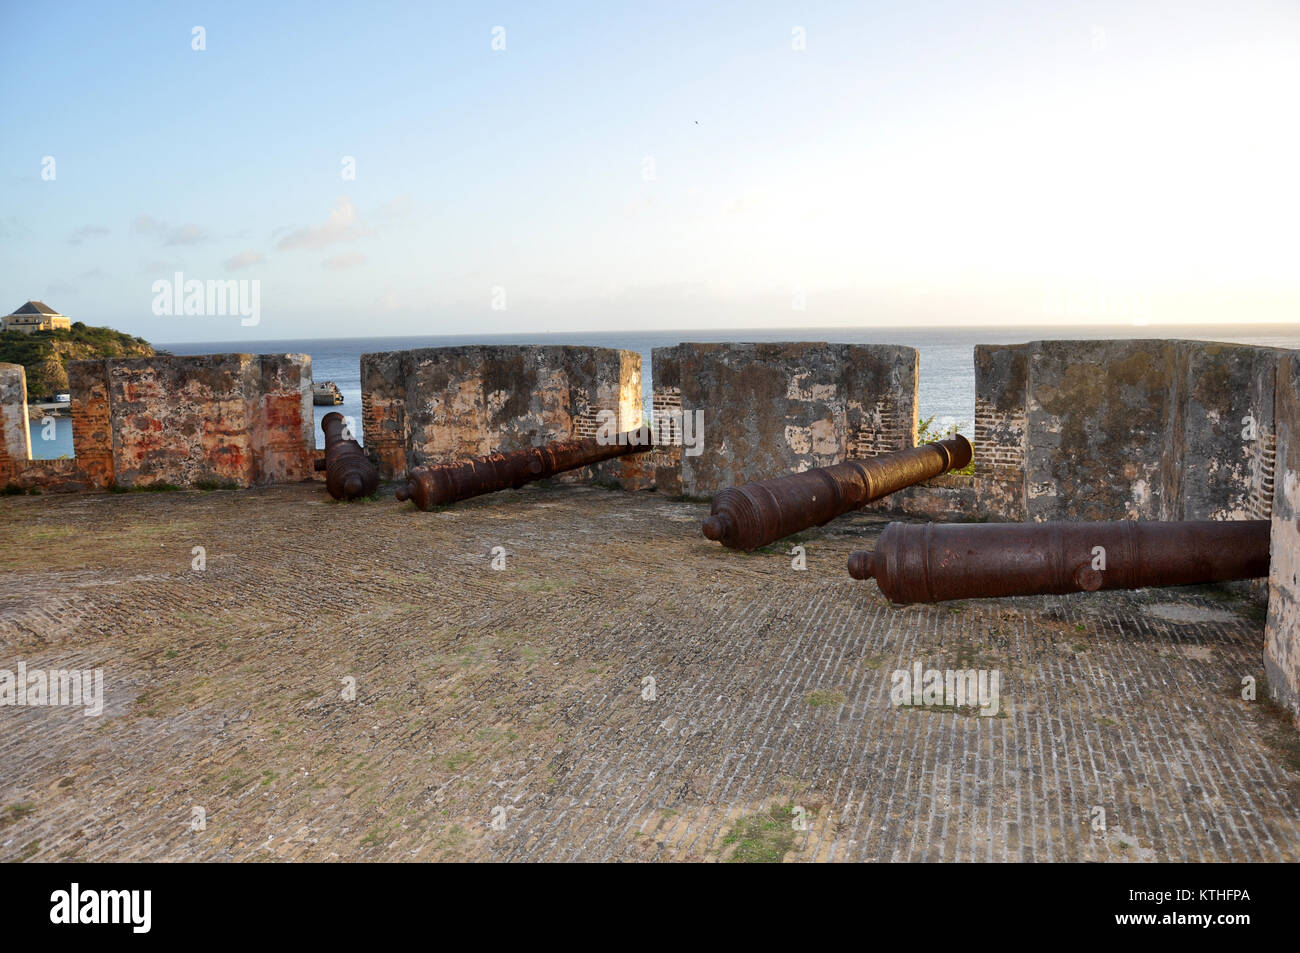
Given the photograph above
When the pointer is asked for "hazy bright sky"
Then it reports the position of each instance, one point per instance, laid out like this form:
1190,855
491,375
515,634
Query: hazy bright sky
916,163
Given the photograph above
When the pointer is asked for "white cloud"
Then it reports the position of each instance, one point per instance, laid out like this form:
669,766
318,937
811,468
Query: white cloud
87,231
343,225
146,225
396,208
65,286
346,260
188,234
245,259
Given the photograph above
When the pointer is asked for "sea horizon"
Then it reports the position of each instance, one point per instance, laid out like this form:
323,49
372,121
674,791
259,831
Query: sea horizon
1051,331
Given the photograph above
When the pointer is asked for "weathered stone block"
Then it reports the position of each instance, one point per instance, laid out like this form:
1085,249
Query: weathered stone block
1154,429
438,405
1223,432
949,497
235,419
53,476
283,426
15,436
1098,425
182,420
92,427
772,409
1282,629
383,410
1001,428
666,408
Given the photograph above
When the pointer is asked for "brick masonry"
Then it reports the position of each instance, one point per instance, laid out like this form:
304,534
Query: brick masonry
519,696
439,405
777,408
1063,430
1001,430
666,409
283,437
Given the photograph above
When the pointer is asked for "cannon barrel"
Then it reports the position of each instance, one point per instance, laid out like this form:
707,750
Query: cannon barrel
349,471
443,483
755,514
934,562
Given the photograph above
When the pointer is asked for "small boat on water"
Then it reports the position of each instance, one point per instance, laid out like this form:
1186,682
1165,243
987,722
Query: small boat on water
326,393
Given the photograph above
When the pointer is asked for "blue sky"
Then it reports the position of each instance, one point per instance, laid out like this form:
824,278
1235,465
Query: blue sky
657,166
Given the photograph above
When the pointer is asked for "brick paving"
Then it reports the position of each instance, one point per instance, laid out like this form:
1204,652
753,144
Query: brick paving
502,714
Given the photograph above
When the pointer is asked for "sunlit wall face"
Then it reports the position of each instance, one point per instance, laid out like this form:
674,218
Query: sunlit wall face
587,167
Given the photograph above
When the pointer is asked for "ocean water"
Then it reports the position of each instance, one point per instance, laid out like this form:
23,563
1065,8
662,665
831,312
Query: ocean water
946,386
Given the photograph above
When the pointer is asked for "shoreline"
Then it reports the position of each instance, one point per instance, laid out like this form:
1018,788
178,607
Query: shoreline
50,409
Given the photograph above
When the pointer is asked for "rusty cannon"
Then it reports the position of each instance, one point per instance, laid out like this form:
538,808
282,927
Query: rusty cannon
440,484
755,514
934,562
349,471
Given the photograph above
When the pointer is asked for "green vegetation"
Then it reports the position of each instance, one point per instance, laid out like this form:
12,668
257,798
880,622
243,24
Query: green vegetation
209,485
14,813
45,354
782,547
763,838
162,487
372,498
927,433
819,699
459,759
13,489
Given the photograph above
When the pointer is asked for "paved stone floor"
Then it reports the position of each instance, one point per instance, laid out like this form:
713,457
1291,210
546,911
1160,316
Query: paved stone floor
506,714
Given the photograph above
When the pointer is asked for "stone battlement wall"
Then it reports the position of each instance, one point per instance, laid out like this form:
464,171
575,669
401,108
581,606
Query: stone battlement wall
1125,429
772,409
439,405
1064,430
218,419
15,435
1282,629
1117,429
1141,429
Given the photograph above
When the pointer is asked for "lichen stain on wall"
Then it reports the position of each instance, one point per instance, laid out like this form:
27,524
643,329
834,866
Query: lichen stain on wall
797,390
819,439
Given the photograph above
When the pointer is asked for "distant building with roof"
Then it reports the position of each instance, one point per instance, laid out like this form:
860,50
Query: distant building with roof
36,316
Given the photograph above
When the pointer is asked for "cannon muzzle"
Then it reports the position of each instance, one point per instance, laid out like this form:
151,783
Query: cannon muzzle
934,562
755,514
349,471
441,484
